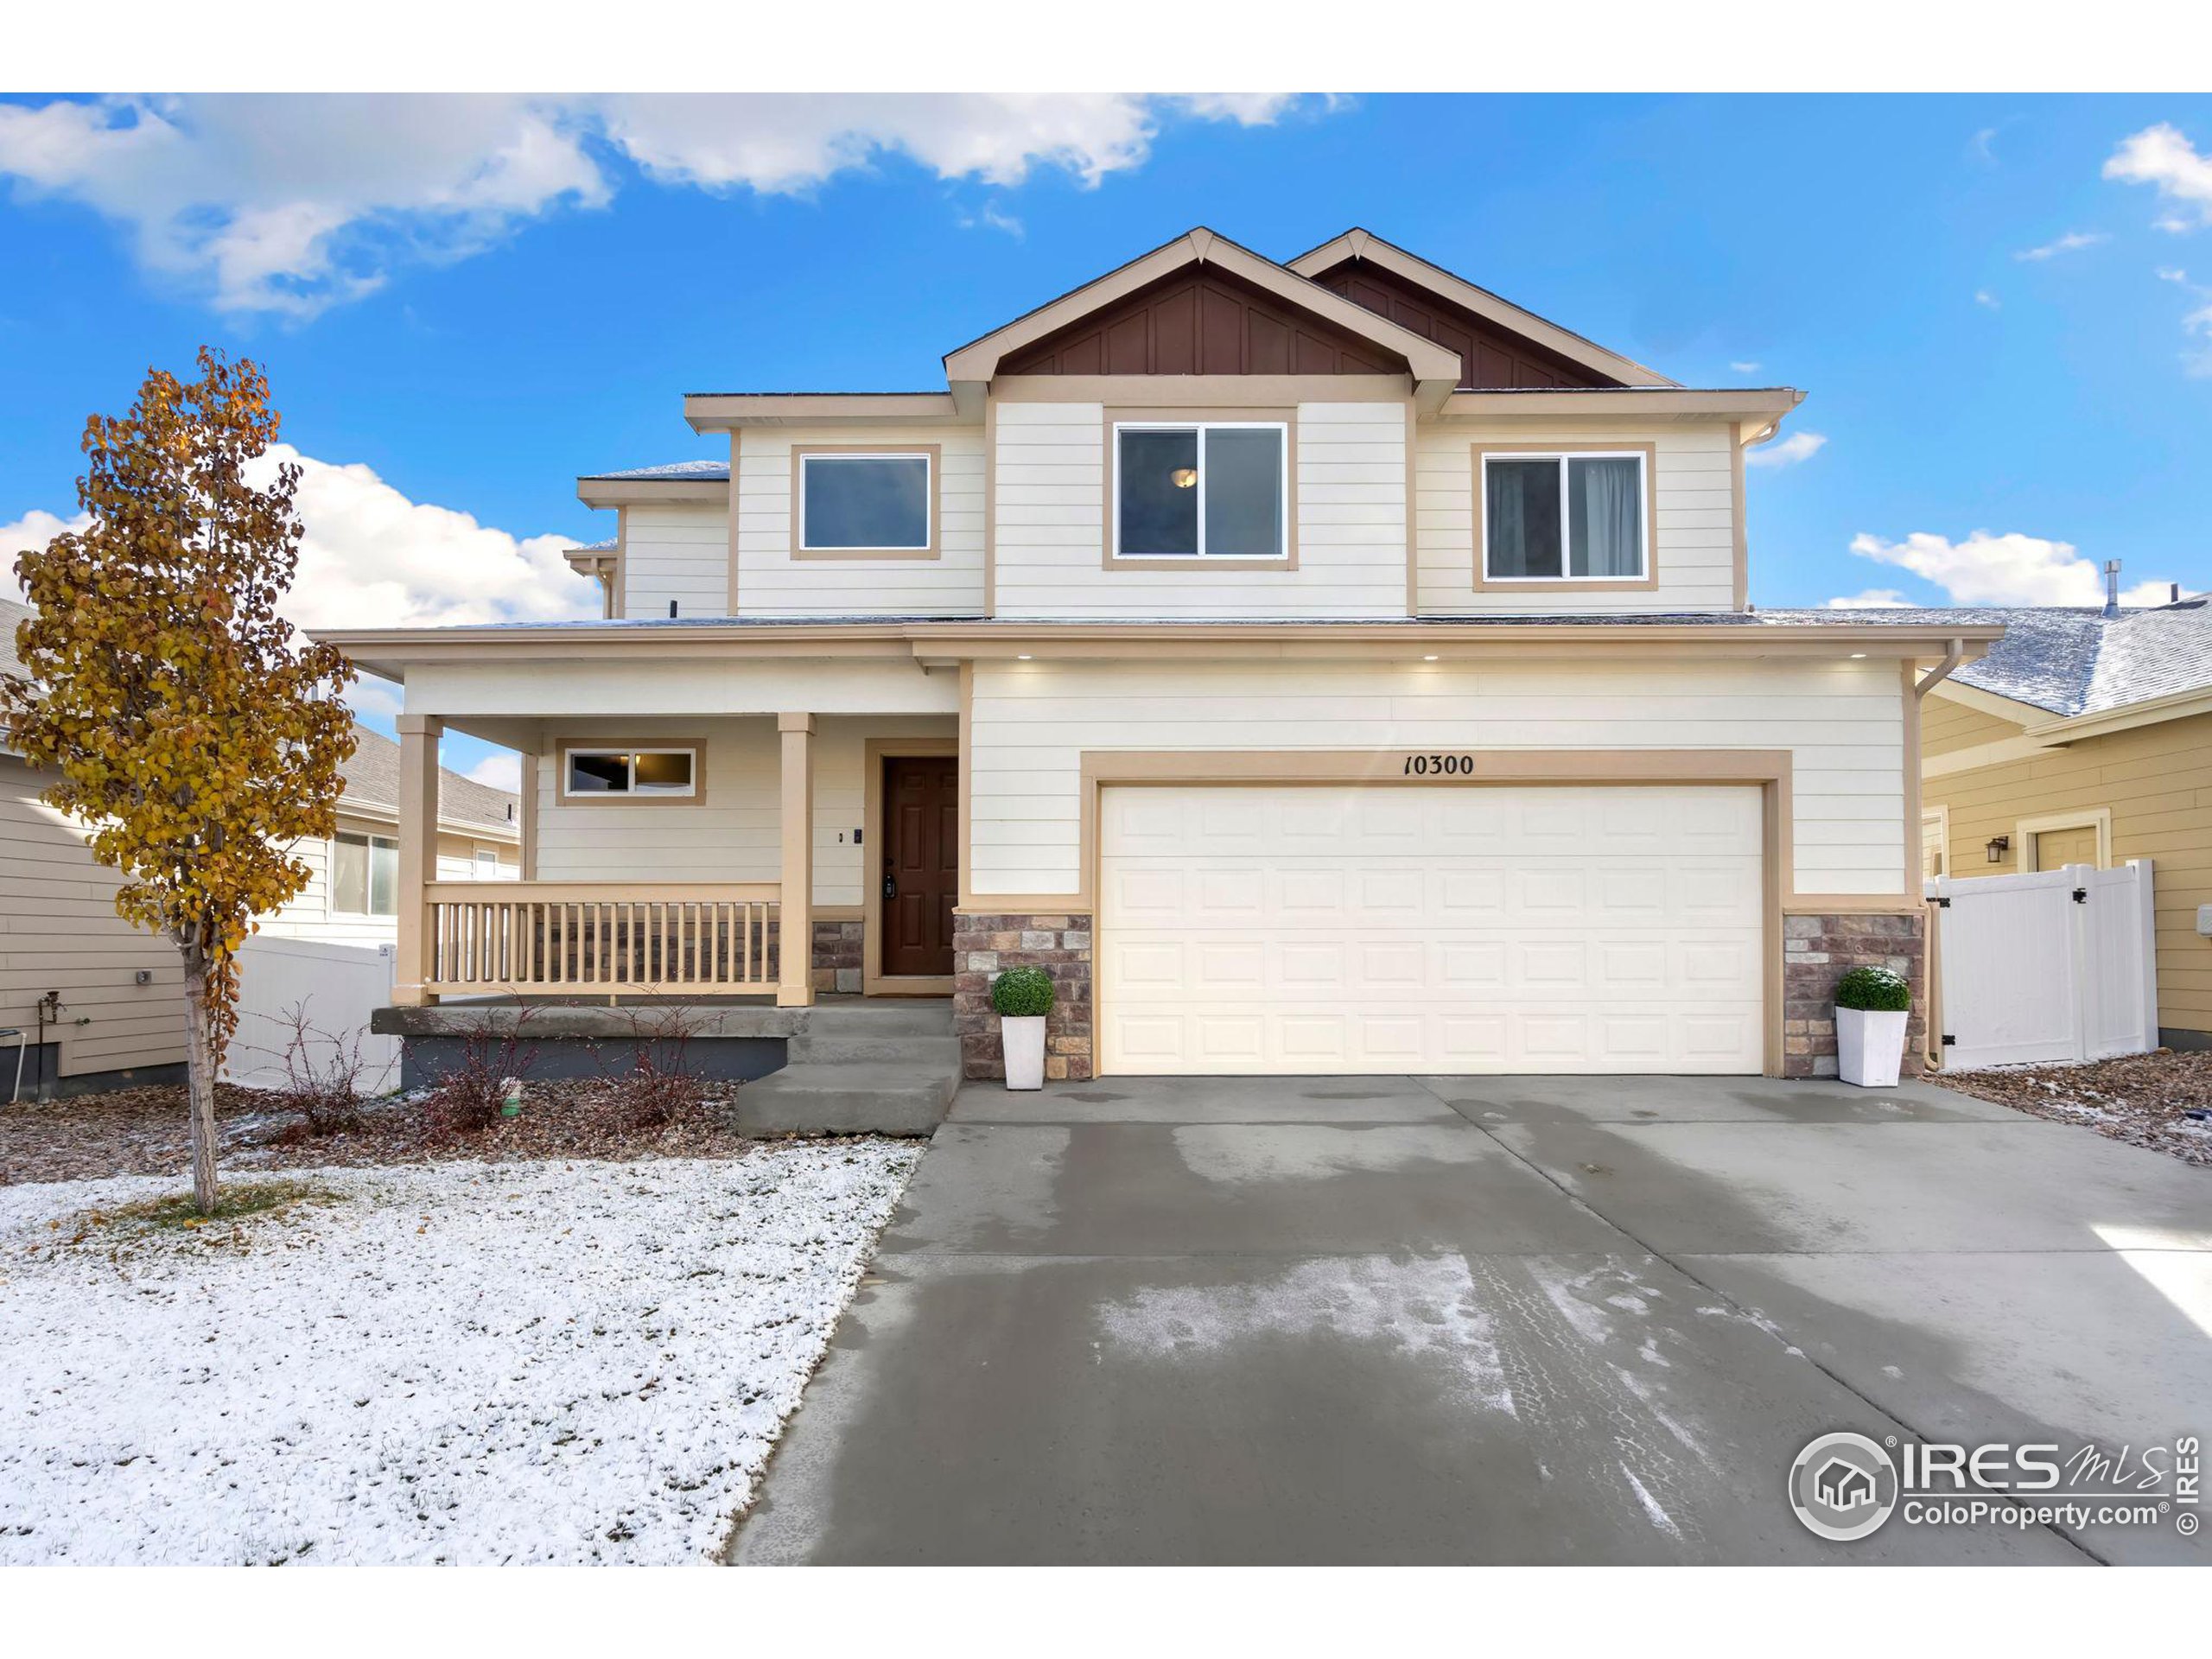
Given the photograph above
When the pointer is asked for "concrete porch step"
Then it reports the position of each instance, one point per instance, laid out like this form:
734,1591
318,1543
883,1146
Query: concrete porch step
924,1016
852,1096
813,1047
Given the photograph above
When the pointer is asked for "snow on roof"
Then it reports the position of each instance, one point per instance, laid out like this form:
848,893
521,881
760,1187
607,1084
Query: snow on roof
673,471
2069,661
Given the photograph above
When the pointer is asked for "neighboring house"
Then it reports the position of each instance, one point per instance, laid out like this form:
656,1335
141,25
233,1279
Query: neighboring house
2085,738
115,1015
1320,667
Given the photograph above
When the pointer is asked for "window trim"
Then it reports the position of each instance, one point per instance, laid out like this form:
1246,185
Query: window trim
931,453
368,878
1283,420
695,748
1647,455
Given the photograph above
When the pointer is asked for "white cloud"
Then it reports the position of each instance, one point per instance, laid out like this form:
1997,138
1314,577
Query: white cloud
370,557
991,216
1745,368
1874,598
1787,452
2163,156
1983,146
2009,569
500,771
289,205
2072,242
1983,297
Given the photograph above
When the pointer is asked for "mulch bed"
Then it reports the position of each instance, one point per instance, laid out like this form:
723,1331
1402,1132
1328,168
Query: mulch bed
143,1132
2142,1099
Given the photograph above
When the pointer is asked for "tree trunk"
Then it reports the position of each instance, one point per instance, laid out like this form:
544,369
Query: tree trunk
199,1080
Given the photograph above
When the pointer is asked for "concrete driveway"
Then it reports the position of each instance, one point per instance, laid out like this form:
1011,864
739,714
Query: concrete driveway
1482,1321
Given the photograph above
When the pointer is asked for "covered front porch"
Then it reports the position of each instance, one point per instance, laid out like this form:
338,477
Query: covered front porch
682,841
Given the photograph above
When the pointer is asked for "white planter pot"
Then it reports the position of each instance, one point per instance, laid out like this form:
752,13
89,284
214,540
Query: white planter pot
1023,1037
1869,1044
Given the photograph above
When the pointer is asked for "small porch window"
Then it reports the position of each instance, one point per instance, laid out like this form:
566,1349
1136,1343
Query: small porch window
363,875
594,774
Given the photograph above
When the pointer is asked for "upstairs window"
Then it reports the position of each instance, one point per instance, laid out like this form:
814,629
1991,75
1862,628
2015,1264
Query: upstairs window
873,502
631,773
1564,518
363,875
1210,490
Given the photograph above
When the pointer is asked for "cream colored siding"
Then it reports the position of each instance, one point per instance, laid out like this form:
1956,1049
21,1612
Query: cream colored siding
1695,540
678,553
770,583
734,834
309,915
1842,721
59,931
2157,782
1052,519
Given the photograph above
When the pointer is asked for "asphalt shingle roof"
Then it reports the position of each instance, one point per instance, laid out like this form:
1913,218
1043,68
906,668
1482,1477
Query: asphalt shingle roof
669,472
2069,661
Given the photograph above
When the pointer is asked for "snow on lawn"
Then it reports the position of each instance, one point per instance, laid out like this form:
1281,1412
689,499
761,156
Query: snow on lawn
465,1362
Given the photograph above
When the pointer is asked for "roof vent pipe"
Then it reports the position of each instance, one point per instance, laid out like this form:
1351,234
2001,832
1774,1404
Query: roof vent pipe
2112,587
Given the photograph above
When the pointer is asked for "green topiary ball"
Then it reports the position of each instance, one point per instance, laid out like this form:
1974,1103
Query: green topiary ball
1875,991
1020,993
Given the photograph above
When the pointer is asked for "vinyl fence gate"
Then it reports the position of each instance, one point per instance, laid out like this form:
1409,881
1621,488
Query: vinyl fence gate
2057,965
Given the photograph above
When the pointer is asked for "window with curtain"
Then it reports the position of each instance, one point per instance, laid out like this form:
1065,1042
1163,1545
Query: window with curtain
1202,491
1564,518
363,875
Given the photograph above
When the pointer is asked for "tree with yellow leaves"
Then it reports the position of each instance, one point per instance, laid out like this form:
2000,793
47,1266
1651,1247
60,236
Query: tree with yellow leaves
188,727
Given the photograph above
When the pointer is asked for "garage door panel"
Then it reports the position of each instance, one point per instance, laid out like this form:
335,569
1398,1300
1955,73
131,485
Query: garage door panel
1451,928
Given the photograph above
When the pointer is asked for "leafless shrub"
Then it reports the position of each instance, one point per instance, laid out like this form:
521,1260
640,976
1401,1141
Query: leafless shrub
466,1100
326,1075
661,1087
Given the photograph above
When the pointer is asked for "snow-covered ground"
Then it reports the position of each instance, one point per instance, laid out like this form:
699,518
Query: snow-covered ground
463,1362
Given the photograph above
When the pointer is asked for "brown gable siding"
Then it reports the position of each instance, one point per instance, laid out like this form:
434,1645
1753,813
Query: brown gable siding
1201,322
1490,358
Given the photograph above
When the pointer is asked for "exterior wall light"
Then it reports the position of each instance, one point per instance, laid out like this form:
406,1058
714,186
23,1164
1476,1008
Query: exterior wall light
1998,846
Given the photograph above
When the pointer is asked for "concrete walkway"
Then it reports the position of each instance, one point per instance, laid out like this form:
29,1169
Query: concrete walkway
1482,1321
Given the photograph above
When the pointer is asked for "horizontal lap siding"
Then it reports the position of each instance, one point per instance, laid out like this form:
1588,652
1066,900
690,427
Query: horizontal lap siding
770,583
2157,782
675,553
1053,524
1843,723
59,931
1946,726
1695,539
736,834
309,915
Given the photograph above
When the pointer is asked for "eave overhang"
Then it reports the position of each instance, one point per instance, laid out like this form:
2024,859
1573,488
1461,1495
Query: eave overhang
724,411
637,491
1759,409
390,653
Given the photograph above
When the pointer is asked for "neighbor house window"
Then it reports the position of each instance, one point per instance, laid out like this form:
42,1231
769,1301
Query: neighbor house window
873,502
363,875
643,773
1564,518
488,865
1205,491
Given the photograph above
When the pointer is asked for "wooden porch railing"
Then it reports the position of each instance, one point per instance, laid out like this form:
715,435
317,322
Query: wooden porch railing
570,938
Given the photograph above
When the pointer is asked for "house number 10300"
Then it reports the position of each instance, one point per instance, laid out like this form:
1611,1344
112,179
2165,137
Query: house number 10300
1439,765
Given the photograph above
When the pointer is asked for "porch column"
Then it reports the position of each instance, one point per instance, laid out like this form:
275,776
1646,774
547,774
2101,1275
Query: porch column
795,986
419,853
526,817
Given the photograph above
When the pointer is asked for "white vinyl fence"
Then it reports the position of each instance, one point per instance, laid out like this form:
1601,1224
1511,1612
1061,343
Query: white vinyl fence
336,987
2058,965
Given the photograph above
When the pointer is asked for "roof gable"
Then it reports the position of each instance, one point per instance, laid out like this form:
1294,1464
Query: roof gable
1434,369
1420,297
1202,320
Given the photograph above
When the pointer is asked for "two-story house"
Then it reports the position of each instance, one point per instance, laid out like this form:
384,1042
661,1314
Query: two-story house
1321,667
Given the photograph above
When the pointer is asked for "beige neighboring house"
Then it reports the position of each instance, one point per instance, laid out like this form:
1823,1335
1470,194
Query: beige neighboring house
1319,666
2085,737
116,1017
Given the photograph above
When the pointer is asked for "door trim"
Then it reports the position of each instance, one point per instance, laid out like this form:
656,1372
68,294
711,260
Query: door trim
2028,855
873,753
1768,770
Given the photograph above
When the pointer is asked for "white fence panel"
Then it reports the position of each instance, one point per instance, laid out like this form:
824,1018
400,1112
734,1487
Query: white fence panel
2055,965
336,986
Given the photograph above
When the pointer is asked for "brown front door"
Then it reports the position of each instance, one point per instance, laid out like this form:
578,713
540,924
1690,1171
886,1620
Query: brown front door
920,866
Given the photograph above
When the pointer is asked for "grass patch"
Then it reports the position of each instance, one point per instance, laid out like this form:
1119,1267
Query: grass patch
234,1202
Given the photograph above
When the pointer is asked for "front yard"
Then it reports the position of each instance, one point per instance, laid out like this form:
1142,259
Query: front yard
547,1359
2143,1099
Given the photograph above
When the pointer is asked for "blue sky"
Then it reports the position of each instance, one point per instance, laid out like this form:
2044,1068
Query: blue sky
2000,306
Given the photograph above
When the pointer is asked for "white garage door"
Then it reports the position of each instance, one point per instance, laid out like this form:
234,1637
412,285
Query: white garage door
1446,928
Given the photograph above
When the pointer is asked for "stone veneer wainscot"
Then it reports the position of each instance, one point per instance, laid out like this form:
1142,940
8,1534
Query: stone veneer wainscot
982,947
1817,952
